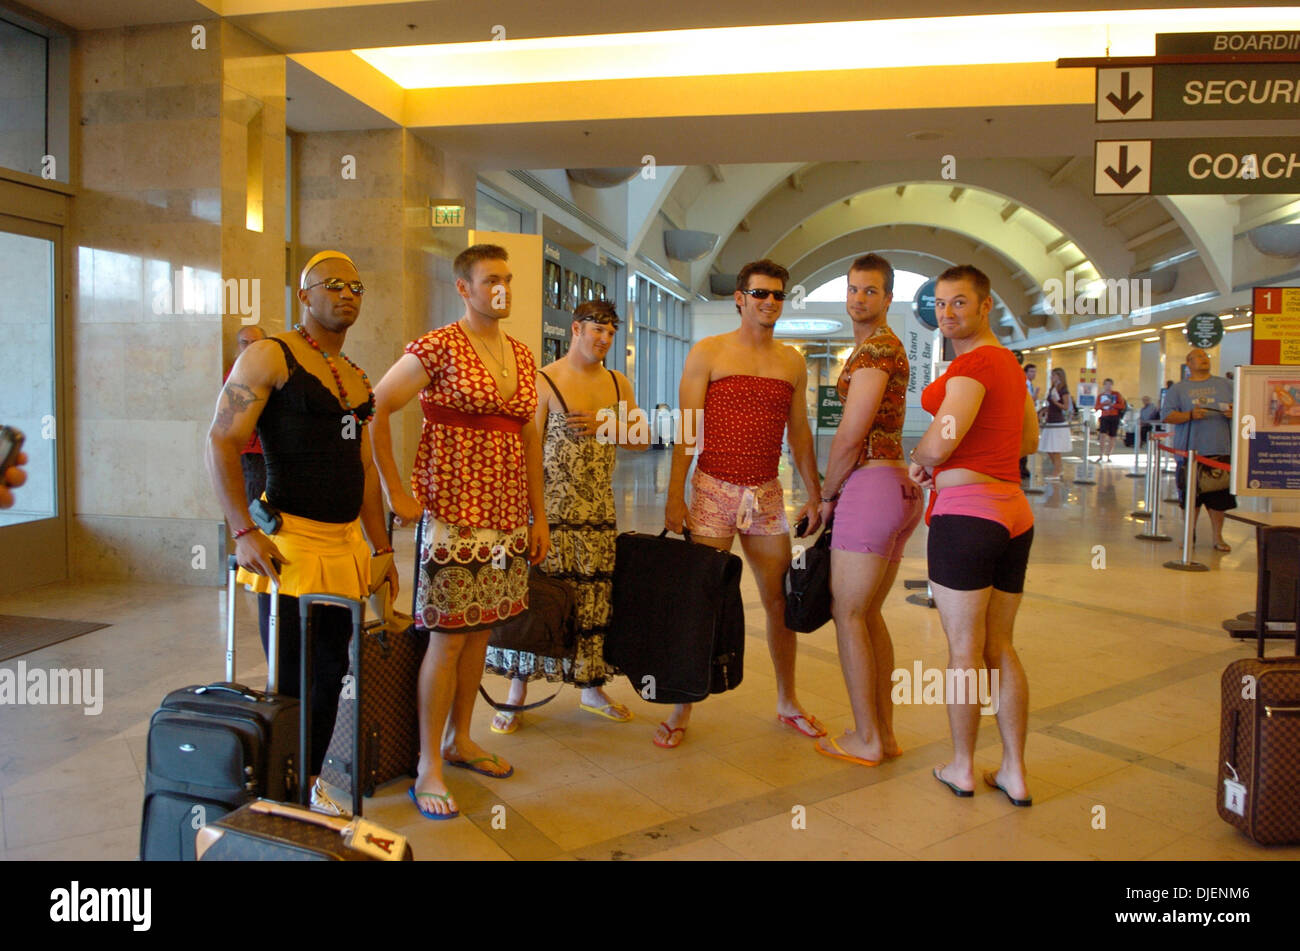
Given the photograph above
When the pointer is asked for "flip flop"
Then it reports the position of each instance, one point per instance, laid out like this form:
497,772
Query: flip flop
469,765
512,723
436,816
1222,546
670,744
812,723
607,711
956,790
991,779
847,757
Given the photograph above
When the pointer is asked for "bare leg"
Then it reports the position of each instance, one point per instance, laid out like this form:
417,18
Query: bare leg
1216,521
456,742
883,647
769,557
964,616
437,690
1013,690
517,697
856,579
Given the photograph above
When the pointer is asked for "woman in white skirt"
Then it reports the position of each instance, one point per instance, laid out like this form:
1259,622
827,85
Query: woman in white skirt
1055,438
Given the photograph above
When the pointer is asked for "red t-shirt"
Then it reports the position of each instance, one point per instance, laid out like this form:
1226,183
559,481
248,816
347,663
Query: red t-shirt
992,444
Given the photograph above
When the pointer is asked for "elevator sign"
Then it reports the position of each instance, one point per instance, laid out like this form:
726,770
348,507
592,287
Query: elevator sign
1203,166
1208,91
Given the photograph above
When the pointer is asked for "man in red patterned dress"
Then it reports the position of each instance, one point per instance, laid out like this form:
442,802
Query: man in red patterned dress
477,479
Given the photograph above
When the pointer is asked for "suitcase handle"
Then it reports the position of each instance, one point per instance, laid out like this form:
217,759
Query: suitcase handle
238,689
272,632
270,808
358,610
686,533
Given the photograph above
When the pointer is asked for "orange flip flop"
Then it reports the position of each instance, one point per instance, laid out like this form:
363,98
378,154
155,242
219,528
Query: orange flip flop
840,754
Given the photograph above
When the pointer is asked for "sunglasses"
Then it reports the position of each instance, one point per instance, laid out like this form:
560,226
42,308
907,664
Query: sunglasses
604,320
760,293
336,285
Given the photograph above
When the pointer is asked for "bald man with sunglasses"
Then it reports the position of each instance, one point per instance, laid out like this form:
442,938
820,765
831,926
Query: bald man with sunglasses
750,391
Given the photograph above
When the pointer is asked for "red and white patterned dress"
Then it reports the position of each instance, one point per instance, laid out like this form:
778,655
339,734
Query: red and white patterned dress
470,475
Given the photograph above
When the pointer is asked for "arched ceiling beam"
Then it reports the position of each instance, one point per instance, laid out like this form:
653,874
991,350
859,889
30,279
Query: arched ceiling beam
1210,223
1067,208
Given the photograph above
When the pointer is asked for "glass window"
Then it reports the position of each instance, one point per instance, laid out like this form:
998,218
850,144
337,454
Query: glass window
494,215
23,144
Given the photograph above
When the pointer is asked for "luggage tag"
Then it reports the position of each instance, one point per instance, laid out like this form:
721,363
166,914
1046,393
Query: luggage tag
1234,794
374,840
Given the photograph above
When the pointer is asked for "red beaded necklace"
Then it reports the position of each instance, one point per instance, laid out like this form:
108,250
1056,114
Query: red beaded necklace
338,380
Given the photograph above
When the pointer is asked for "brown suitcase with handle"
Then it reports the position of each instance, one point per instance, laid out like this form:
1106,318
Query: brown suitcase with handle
1258,789
266,831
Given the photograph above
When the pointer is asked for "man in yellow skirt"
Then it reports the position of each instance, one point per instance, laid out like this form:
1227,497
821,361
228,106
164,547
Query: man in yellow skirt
310,405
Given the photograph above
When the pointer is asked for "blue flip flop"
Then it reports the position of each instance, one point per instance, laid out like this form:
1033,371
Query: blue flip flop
469,765
436,816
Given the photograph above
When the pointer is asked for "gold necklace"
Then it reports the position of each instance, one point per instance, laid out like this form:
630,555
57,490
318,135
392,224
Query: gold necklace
501,362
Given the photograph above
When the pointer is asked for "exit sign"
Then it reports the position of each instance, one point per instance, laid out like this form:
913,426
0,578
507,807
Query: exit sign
447,214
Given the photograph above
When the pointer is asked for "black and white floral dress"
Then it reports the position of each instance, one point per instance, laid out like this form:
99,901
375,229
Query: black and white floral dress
579,495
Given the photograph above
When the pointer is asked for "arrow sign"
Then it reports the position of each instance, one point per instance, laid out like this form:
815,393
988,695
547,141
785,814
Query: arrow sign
1124,102
1124,93
1124,174
1123,168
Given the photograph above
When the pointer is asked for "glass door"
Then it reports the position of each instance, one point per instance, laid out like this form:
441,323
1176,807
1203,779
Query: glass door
33,533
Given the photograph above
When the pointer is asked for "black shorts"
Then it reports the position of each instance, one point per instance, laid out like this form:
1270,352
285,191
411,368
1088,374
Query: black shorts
967,553
1220,500
1109,425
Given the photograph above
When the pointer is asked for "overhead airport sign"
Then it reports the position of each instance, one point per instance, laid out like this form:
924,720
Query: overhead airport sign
1215,91
1230,166
1277,41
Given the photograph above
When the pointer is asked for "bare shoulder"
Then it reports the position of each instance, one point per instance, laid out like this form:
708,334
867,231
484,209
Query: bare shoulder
262,364
792,361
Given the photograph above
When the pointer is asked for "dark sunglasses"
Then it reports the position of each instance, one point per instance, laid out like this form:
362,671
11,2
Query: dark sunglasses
760,293
604,320
335,284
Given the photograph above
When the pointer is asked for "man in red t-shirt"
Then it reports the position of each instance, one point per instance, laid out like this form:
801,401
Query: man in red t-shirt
1112,406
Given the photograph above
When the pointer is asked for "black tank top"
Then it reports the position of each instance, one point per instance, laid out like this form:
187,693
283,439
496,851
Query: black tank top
312,448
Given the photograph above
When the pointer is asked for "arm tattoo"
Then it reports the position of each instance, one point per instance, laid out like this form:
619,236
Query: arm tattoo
238,398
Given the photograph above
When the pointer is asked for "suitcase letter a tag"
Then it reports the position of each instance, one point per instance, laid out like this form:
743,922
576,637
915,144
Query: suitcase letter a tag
1234,794
375,840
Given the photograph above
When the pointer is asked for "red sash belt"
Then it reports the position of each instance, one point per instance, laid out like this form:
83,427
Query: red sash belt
452,417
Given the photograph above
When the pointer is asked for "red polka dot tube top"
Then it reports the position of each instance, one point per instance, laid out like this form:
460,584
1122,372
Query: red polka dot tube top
744,420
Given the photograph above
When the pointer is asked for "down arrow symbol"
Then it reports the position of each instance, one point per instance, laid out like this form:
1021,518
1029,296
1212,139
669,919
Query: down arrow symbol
1126,173
1124,102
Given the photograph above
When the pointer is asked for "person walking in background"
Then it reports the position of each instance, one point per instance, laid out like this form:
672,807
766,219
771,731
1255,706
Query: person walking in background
981,527
1031,373
1056,425
876,508
1111,405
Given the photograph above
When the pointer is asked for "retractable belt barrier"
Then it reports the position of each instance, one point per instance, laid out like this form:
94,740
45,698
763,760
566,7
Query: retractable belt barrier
1194,461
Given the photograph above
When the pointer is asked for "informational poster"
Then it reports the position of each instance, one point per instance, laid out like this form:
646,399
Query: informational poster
1087,398
1266,422
1275,333
829,408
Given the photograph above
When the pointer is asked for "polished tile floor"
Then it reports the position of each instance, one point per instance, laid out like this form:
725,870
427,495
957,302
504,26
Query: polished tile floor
1123,657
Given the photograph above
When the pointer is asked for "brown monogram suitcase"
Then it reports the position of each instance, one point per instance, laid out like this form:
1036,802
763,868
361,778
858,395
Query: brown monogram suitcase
266,831
1259,739
384,674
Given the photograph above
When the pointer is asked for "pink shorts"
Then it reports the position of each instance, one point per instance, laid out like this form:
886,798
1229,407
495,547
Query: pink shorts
879,508
720,509
1001,502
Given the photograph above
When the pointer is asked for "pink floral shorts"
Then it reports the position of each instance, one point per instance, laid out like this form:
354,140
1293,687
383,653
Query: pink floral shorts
720,509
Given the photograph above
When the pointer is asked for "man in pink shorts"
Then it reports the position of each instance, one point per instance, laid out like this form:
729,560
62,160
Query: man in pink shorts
750,389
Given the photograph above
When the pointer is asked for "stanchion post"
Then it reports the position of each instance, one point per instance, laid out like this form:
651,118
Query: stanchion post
1147,493
1086,478
1137,446
1189,520
1153,533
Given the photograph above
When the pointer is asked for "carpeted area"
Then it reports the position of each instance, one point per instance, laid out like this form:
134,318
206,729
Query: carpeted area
22,635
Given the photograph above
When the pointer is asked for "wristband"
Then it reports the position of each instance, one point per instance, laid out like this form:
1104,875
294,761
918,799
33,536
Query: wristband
381,551
833,498
244,531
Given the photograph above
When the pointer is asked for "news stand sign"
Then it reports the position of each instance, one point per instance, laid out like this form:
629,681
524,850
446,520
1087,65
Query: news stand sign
1266,423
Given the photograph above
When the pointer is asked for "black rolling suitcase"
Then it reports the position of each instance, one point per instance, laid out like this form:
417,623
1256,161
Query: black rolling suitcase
678,622
1259,736
214,747
265,831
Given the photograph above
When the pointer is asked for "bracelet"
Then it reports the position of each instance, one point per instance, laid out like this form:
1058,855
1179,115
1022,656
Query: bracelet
833,498
244,531
381,551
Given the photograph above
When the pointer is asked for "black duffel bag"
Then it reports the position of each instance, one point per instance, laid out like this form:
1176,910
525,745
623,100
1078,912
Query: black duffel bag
808,585
678,624
549,627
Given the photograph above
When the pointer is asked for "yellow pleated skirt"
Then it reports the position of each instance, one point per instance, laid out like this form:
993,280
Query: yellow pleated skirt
322,558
